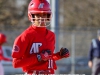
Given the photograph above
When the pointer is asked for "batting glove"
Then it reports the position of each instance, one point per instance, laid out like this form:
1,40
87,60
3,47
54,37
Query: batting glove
44,55
64,53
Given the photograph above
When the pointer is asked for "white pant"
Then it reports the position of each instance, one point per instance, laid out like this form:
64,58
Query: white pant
28,74
1,69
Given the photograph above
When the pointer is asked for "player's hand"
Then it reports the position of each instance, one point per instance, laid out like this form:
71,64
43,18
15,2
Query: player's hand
90,64
64,52
44,55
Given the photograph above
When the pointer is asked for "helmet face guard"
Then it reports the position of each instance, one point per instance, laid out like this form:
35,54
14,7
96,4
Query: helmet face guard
42,21
39,7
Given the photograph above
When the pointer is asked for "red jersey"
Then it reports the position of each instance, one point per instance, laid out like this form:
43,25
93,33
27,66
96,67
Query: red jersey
2,57
32,41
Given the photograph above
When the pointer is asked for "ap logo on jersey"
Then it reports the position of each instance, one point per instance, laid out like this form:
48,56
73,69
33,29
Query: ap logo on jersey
35,48
41,5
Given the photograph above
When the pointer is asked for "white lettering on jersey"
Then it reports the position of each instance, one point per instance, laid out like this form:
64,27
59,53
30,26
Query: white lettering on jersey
35,48
41,5
50,65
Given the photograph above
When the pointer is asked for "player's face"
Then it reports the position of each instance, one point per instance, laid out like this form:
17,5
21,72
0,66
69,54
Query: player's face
40,19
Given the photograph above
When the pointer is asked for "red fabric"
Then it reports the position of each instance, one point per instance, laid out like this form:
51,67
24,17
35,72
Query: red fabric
56,56
45,56
2,57
26,46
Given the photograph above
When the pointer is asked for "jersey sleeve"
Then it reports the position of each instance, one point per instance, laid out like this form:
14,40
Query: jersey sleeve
19,48
20,62
56,56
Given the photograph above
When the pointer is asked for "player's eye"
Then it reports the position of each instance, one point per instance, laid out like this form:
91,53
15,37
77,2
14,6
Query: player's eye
33,16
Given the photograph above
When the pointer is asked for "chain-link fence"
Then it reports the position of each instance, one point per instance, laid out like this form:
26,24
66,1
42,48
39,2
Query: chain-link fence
78,42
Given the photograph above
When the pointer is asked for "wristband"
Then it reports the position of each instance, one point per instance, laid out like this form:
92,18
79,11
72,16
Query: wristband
39,57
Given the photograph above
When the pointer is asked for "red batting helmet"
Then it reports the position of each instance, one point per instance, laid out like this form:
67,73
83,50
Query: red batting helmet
2,38
39,6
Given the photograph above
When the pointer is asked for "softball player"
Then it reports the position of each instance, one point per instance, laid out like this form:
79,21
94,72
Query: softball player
2,41
33,50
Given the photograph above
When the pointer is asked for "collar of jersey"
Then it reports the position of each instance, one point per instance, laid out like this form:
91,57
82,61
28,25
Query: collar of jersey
41,30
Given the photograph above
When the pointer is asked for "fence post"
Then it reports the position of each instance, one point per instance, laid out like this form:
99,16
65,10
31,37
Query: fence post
73,54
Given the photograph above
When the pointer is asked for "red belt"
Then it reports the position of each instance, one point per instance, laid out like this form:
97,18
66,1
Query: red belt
40,72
